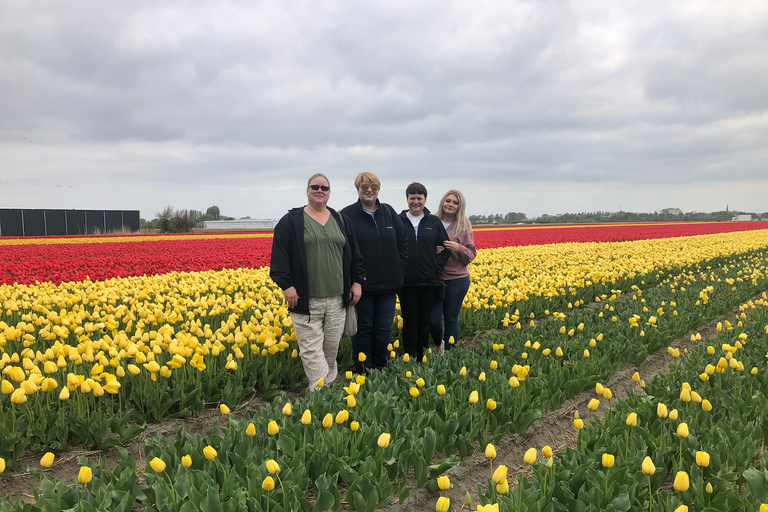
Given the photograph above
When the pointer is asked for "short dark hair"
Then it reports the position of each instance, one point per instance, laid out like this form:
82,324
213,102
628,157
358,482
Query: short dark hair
416,188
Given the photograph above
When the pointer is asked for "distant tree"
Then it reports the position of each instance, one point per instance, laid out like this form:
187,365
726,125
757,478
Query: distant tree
214,212
181,222
164,219
194,215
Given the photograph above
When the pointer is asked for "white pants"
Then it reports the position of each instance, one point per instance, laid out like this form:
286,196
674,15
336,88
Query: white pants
318,335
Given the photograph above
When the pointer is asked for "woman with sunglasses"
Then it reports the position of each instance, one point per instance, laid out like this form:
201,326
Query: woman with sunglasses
382,241
461,248
317,263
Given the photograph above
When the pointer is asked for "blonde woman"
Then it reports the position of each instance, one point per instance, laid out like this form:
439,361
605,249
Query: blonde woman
455,274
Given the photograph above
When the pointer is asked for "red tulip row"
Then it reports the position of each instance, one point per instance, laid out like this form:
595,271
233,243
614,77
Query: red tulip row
107,257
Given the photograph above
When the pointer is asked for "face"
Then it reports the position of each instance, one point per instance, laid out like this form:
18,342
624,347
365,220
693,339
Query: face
451,204
368,194
416,203
319,196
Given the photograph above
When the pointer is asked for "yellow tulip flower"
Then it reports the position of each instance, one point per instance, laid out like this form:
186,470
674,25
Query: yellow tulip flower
490,451
272,466
682,482
648,467
383,440
186,461
84,475
443,504
443,482
530,456
702,459
209,452
157,465
473,397
272,428
306,418
327,420
682,430
268,484
500,474
47,459
608,460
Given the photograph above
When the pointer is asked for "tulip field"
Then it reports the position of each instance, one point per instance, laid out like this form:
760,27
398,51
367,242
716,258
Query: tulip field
101,336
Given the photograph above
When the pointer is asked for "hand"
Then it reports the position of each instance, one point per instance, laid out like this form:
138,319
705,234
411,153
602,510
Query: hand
439,249
355,291
451,246
291,297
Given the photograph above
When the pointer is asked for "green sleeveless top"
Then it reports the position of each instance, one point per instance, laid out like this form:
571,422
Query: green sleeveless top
324,246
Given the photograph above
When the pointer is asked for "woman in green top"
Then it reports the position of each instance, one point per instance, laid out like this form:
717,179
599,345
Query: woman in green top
316,262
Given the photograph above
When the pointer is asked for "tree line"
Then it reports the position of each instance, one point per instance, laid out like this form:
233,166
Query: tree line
170,220
666,214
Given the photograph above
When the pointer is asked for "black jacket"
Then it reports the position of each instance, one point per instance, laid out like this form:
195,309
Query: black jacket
424,265
288,265
383,244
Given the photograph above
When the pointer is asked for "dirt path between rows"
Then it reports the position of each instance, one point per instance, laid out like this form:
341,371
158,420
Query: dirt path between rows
554,428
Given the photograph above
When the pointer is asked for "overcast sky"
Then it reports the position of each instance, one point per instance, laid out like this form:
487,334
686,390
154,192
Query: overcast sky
532,106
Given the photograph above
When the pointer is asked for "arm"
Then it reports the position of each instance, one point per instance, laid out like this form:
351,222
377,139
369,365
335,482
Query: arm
357,270
280,261
402,239
442,237
464,249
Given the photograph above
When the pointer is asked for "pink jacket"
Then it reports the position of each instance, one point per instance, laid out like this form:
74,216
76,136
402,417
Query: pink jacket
456,266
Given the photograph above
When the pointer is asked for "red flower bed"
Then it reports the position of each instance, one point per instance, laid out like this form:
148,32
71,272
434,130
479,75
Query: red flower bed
29,260
490,238
73,262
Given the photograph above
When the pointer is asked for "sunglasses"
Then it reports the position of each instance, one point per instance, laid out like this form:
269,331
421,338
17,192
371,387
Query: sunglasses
375,188
324,188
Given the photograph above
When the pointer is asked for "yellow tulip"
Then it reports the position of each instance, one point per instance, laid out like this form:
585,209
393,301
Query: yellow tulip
681,508
354,426
361,357
351,401
342,416
287,409
306,418
157,465
682,482
502,487
224,409
473,397
440,389
250,431
2,465
320,382
84,475
7,387
268,484
443,504
593,404
18,397
608,460
706,405
648,467
547,451
702,459
272,428
682,430
599,388
463,371
406,358
209,452
661,410
47,460
530,456
420,382
443,482
490,451
186,461
490,404
413,392
64,394
272,466
632,419
636,377
578,424
673,414
328,420
500,474
383,440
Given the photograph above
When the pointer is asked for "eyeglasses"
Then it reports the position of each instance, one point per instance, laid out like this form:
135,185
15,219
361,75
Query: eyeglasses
324,188
375,188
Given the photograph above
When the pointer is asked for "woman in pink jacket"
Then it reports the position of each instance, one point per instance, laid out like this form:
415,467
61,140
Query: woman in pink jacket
461,246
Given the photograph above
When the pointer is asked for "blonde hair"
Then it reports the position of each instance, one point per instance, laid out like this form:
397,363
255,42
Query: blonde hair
318,175
368,179
461,224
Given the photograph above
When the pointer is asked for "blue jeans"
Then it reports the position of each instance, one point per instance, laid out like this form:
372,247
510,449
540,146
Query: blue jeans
375,313
448,310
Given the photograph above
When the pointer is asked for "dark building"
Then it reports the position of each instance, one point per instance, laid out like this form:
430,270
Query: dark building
28,222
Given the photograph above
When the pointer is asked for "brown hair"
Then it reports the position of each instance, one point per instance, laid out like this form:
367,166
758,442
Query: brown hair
318,175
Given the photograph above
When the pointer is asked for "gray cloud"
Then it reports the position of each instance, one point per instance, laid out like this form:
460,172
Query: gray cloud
542,107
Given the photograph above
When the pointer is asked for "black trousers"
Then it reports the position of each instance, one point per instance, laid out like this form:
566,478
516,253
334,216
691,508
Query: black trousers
416,308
